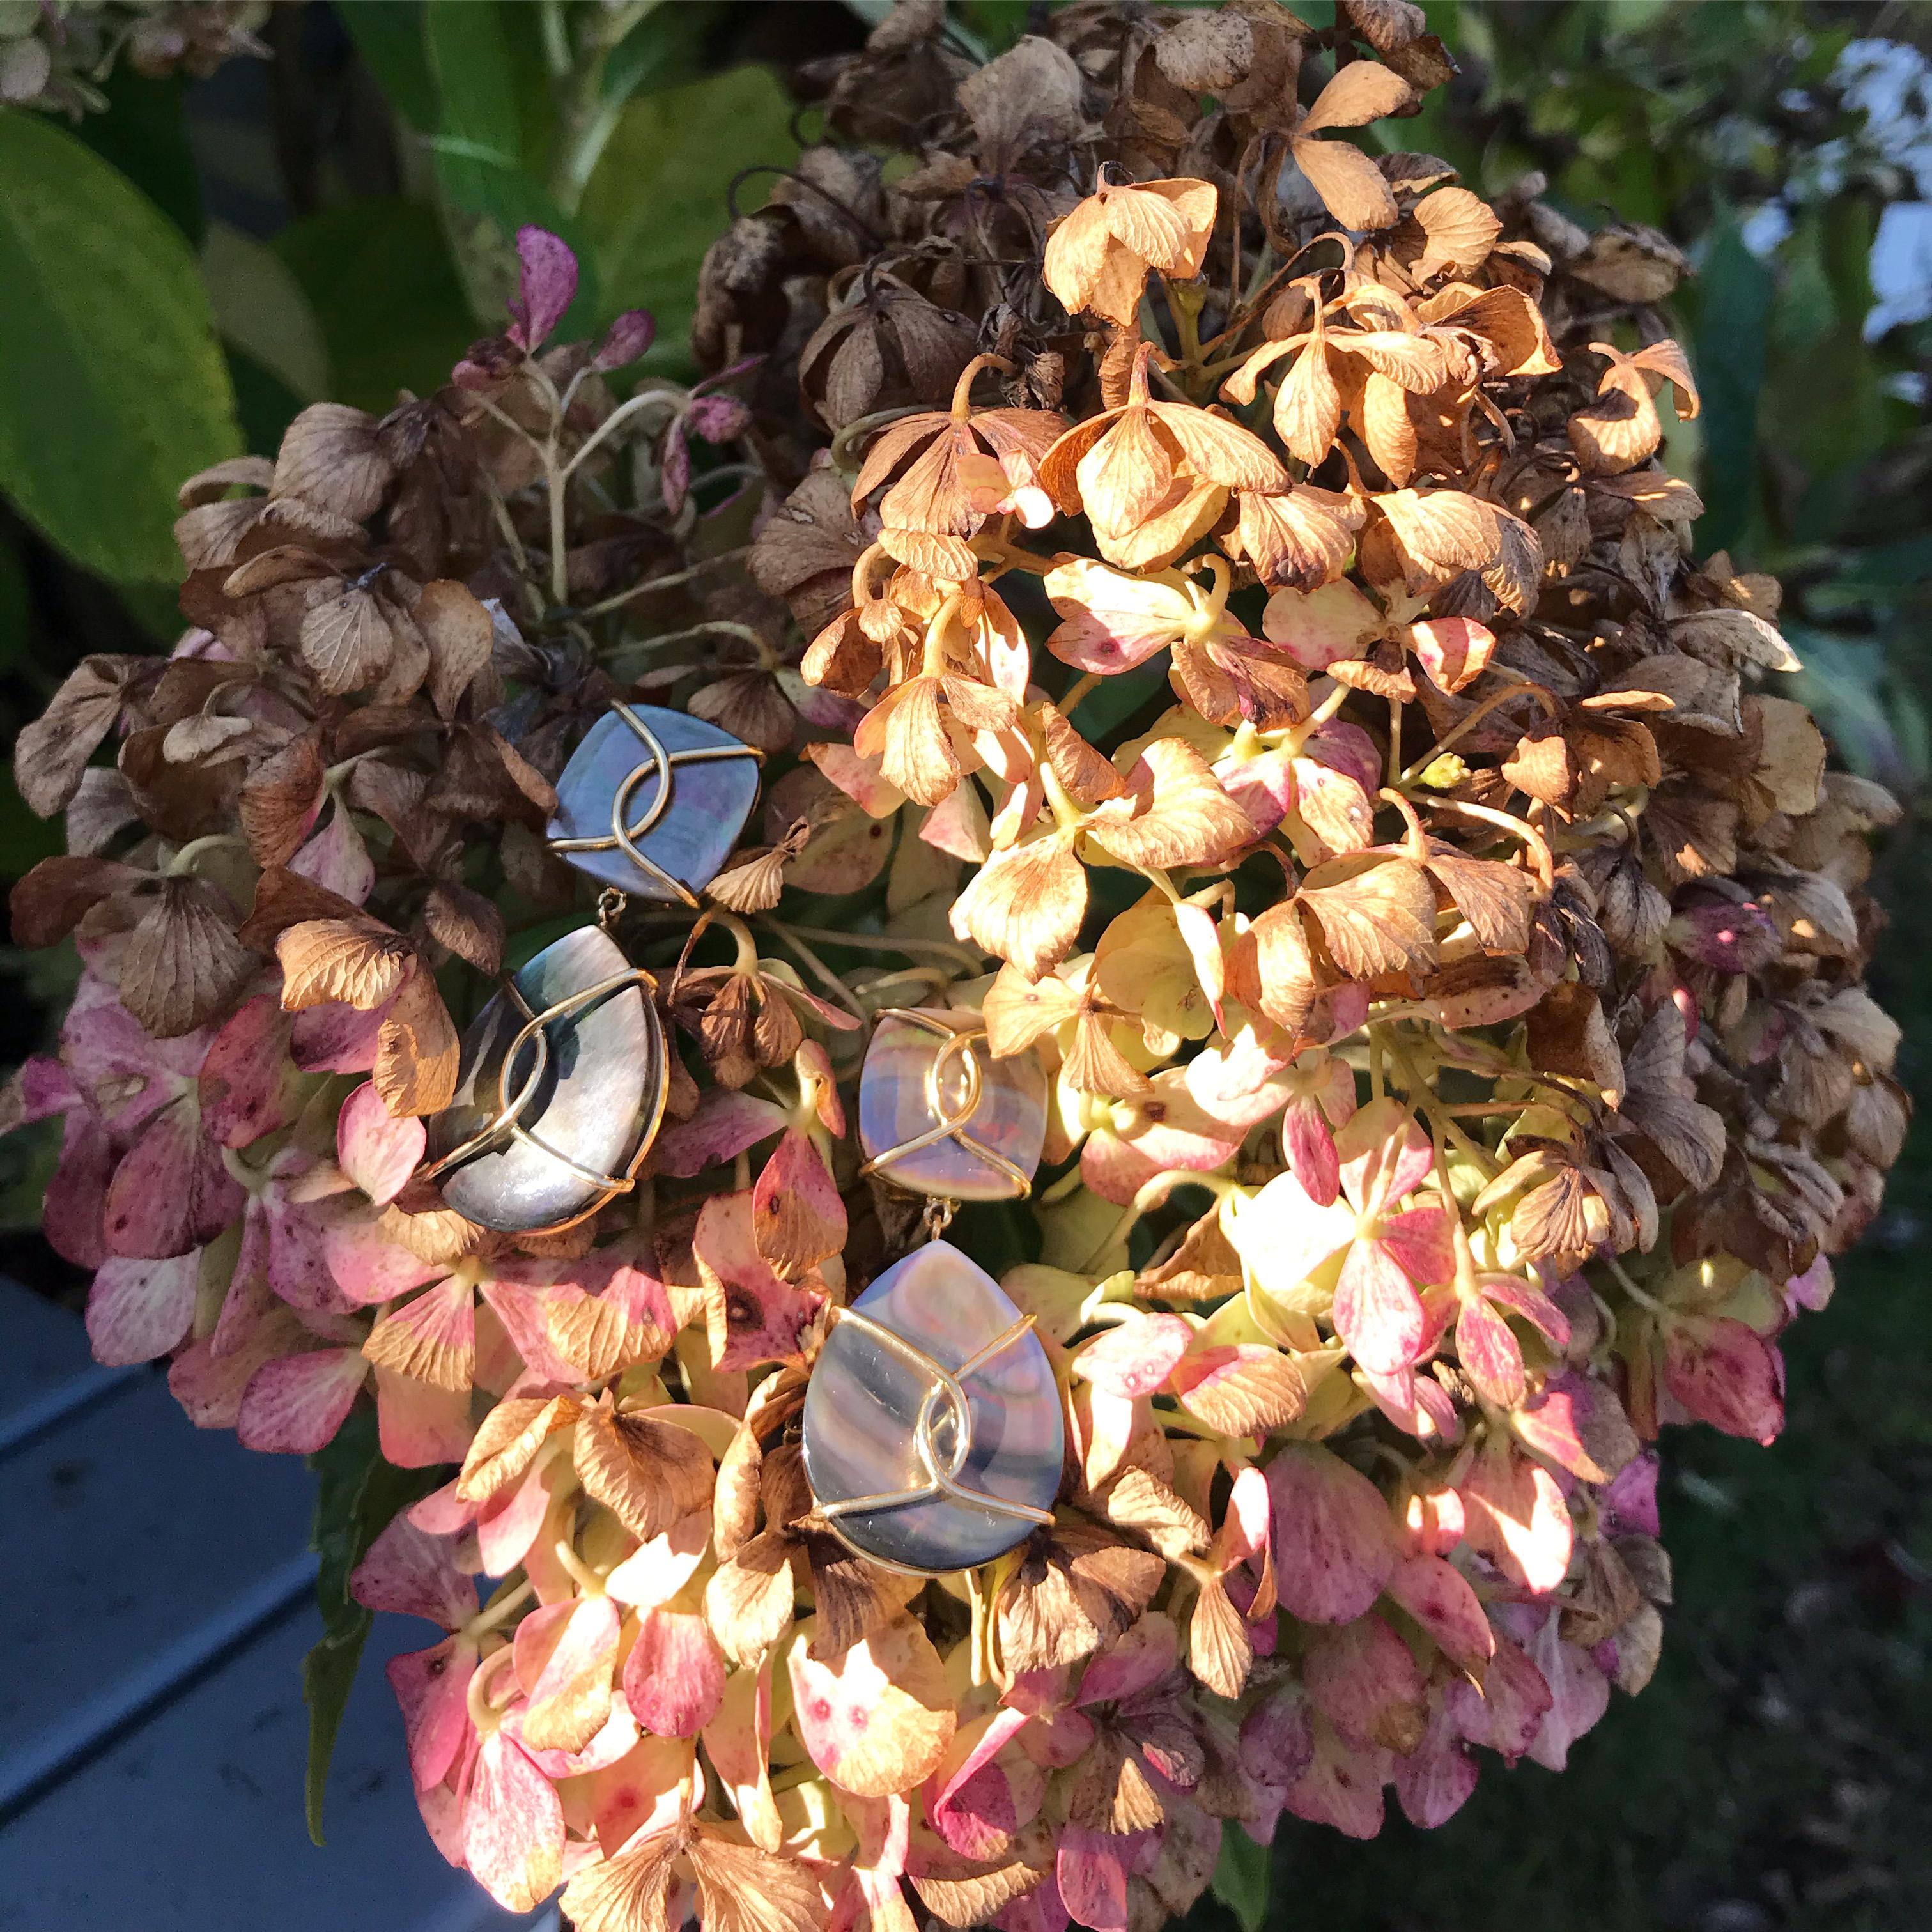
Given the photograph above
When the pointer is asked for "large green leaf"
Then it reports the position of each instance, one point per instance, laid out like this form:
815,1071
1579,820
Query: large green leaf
112,387
658,198
358,1497
378,276
1240,1880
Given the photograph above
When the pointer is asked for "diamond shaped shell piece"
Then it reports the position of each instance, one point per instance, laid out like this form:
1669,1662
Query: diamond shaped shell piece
596,1082
652,801
869,1390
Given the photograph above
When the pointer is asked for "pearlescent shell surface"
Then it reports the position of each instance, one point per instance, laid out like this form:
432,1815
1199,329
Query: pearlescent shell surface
892,1108
710,802
603,1088
863,1403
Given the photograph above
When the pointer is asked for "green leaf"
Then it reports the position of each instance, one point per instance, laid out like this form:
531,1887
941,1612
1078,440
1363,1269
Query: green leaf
358,1496
388,35
112,389
1730,355
1240,1880
659,195
385,258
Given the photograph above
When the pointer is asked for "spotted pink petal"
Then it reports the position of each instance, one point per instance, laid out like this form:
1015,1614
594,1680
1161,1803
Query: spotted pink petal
1418,1403
1438,1596
369,1268
432,1686
1310,1145
1454,651
171,1192
1342,1786
138,1310
1727,1374
971,1800
1629,1500
1376,1311
298,1269
1092,1869
293,1407
765,1317
1437,1779
1507,1711
513,1832
546,285
414,1573
1421,1240
1575,1422
1362,1679
1385,1154
209,1387
419,1427
796,1172
1490,1354
73,1215
377,1150
625,341
248,1085
108,1050
1135,1357
727,1122
674,1676
1335,1544
333,1038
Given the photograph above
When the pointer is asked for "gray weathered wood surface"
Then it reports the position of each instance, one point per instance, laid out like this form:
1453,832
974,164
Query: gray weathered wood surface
151,1725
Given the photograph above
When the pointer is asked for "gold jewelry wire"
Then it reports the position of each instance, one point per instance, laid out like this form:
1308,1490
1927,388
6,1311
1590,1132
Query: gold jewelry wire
942,1383
950,1124
508,1118
662,765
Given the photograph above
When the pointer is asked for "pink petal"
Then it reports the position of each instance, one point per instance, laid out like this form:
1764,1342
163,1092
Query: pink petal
138,1310
625,341
377,1150
1375,1310
1133,1665
419,1427
1438,1596
1342,1786
1454,651
1524,1298
414,1573
674,1676
333,1038
337,859
1507,1711
1516,1516
727,1122
1421,1240
1278,1740
507,1524
1727,1374
369,1268
1415,1402
546,287
1573,1421
432,1686
294,1407
969,1801
1310,1148
209,1387
171,1192
1363,1679
513,1834
1092,1869
1335,1543
765,1318
1579,1694
74,1215
1136,1357
1629,1500
1435,1781
1385,1154
795,1171
248,1084
1490,1355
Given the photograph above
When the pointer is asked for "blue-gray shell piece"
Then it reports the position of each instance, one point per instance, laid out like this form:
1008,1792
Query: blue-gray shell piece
601,1091
710,800
863,1402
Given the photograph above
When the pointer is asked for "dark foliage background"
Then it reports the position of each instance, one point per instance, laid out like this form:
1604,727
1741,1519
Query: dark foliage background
333,221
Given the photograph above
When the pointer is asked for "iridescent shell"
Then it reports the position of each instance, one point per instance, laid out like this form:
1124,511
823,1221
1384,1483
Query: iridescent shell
862,1407
596,1101
685,833
897,1089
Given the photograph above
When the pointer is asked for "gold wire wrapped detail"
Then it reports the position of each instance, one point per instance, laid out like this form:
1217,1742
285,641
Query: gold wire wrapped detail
959,1042
662,765
943,1386
506,1123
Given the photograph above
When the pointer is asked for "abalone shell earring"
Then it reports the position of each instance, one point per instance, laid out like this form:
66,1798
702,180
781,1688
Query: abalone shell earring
561,1085
933,1437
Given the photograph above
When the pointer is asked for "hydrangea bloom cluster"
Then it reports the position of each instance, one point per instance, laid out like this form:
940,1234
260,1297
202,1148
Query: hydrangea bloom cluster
54,53
1232,626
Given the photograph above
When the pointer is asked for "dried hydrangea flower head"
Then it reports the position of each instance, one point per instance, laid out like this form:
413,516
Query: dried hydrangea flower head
1212,607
